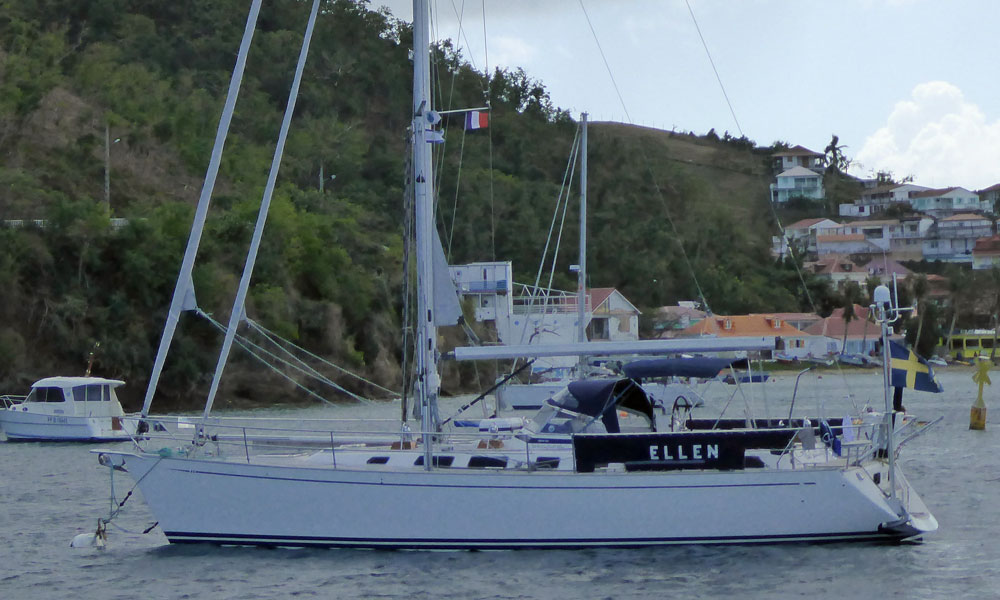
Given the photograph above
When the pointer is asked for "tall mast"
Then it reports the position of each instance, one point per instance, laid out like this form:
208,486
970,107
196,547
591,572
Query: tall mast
886,313
239,304
183,298
424,118
581,274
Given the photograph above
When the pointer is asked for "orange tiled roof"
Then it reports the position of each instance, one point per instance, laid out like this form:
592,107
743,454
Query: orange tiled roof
990,245
741,325
805,223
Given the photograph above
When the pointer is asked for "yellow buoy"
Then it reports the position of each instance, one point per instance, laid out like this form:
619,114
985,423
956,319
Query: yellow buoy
977,416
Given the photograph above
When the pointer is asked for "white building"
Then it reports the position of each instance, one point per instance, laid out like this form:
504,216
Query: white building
797,182
490,284
803,235
799,156
524,314
944,202
613,317
953,238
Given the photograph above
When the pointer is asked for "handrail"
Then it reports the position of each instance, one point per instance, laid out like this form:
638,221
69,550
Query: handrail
11,399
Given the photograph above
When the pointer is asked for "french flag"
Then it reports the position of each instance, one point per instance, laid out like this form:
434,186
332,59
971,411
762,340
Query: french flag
475,119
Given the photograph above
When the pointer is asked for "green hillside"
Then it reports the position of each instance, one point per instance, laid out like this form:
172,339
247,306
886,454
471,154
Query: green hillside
667,212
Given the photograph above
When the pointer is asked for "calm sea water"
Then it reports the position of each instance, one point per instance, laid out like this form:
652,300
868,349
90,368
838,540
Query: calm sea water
51,492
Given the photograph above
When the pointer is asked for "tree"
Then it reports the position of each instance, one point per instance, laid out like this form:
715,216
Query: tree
958,297
835,159
851,296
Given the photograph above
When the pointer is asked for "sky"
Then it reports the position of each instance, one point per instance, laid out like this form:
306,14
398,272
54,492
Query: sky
908,86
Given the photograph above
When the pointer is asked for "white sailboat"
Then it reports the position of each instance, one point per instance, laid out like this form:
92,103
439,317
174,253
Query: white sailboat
576,477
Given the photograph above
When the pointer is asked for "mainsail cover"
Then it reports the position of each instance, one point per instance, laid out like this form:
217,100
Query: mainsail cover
447,309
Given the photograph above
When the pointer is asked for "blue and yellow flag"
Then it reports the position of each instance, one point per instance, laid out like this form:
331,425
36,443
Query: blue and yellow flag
911,371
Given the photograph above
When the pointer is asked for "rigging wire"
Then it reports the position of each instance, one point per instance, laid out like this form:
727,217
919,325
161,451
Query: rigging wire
562,200
659,192
407,325
712,62
271,336
649,167
774,214
489,80
257,350
562,220
567,177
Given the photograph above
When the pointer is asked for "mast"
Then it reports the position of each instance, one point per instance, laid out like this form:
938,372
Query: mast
239,304
581,274
428,381
183,298
883,307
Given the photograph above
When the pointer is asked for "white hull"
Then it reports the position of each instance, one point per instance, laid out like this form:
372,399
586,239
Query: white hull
215,501
29,426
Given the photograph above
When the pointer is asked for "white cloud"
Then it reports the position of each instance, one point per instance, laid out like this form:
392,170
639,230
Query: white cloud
511,51
937,136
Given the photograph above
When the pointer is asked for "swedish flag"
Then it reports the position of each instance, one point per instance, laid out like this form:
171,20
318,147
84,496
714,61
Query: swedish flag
911,371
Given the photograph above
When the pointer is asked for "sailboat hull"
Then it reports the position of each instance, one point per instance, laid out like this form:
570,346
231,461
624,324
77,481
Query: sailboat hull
221,502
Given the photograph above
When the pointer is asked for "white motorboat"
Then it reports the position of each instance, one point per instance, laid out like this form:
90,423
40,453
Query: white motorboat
579,475
67,409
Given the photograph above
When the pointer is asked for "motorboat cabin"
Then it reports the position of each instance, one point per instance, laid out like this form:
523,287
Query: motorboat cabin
82,409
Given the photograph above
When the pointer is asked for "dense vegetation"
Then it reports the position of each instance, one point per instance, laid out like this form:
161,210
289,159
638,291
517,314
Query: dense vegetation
672,216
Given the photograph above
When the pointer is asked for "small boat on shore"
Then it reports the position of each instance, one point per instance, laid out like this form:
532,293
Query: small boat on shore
67,409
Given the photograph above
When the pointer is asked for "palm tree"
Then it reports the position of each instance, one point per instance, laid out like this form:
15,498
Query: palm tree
835,159
959,289
851,295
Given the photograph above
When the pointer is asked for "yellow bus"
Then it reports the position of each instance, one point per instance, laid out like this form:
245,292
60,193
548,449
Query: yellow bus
970,344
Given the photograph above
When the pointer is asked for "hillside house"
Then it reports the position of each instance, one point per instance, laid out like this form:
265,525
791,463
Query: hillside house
803,235
862,334
944,202
906,241
839,269
798,156
988,199
797,182
854,210
902,194
876,199
952,238
845,243
986,253
796,343
902,238
613,317
671,319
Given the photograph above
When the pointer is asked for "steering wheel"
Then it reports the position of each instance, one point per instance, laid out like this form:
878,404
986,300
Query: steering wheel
681,411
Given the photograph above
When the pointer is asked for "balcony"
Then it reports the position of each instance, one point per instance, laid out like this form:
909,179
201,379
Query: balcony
483,287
